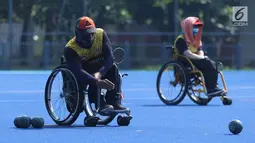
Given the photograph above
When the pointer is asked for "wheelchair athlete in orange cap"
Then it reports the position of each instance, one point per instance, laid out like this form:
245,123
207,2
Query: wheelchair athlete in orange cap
89,56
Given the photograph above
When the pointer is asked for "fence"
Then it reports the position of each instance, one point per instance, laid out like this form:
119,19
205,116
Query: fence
142,49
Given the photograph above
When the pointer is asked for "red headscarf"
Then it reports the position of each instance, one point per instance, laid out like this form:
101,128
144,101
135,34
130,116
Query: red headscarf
187,26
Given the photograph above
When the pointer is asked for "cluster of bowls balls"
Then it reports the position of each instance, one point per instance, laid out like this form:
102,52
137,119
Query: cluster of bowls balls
25,122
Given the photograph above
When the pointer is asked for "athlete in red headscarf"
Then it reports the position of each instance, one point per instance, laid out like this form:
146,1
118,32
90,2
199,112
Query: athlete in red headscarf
189,44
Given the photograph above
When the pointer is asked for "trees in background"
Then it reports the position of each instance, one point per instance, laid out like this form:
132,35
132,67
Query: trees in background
58,16
55,14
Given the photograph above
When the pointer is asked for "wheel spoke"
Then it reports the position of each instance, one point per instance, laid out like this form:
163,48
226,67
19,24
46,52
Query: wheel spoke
61,87
195,91
177,92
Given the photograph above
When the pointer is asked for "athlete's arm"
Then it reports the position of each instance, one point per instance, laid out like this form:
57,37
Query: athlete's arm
193,56
183,49
201,52
74,64
108,55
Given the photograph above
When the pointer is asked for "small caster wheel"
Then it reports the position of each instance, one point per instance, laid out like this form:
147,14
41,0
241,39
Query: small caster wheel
226,100
123,120
91,121
204,102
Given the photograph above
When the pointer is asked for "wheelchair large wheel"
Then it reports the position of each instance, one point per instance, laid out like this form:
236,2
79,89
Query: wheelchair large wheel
90,110
63,85
177,84
195,90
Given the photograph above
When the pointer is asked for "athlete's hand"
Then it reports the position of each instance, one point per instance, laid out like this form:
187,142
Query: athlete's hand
105,84
98,75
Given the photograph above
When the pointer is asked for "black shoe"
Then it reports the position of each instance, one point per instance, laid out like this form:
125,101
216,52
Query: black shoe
118,106
215,92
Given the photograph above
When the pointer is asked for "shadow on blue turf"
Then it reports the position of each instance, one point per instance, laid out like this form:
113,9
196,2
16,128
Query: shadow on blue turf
229,134
62,127
181,105
75,126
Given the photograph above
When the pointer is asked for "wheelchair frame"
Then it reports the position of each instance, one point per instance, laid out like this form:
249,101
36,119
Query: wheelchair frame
91,119
193,70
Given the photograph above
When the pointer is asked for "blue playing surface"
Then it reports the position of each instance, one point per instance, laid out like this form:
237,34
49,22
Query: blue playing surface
23,93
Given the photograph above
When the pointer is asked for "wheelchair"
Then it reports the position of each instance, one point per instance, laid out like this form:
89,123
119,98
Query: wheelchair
190,80
76,100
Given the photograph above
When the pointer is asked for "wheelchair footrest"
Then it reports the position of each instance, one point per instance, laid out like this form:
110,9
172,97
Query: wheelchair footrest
127,111
218,95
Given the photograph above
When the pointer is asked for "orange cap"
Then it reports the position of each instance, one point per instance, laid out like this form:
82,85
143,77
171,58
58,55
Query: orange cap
86,23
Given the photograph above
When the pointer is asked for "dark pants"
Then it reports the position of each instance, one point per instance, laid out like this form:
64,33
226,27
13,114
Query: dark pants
208,68
112,96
